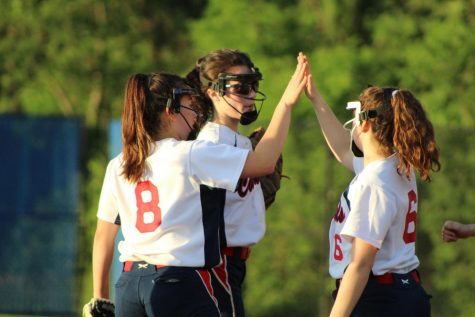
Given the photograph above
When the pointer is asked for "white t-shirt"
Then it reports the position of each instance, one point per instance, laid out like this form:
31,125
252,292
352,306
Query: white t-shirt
172,217
379,207
244,211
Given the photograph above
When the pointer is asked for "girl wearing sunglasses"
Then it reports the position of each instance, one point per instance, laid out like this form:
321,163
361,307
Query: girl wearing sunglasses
373,233
229,82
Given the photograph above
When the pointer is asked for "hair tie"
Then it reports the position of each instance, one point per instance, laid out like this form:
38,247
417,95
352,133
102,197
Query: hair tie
394,92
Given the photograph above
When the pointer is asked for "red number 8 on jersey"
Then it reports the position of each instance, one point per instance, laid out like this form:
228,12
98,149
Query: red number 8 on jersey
146,195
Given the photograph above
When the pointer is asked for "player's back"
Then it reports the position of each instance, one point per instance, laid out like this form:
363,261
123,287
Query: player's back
171,217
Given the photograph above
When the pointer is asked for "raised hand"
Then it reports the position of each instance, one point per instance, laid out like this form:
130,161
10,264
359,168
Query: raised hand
310,88
297,82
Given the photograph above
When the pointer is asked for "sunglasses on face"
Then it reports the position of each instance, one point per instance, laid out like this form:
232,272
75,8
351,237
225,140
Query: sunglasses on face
243,88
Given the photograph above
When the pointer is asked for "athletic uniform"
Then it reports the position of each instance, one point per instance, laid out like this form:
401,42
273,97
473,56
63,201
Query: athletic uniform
170,222
244,223
380,207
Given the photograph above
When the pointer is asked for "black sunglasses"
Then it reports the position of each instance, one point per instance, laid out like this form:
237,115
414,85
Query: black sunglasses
244,88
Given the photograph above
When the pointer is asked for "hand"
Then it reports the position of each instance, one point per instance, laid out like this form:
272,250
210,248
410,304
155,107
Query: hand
296,83
453,231
310,88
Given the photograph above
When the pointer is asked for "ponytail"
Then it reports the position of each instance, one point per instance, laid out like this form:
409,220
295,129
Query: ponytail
413,137
197,81
136,140
144,101
401,126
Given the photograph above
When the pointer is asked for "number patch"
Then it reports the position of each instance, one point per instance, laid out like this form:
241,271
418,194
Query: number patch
337,253
409,235
149,215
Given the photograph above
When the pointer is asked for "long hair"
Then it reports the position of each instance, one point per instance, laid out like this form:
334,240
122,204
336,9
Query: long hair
402,126
208,68
141,122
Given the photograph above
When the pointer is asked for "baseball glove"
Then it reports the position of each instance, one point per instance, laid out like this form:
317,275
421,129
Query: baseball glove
270,184
99,307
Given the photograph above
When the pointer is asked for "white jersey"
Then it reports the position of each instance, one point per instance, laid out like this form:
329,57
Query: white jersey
172,217
244,211
379,207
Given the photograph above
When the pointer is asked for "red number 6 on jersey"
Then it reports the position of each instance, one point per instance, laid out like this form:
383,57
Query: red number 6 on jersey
146,195
411,217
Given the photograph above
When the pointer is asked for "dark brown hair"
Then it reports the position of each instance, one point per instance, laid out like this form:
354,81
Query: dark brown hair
208,68
141,118
402,126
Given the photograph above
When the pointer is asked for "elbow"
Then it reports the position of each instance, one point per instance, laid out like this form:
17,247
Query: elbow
268,169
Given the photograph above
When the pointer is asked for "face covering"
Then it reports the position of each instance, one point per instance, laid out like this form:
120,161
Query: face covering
249,117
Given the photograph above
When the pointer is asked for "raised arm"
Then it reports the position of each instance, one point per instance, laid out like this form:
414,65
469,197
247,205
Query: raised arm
338,139
262,161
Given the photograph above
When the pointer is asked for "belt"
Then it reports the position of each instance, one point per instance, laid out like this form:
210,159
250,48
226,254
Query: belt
129,265
390,278
237,252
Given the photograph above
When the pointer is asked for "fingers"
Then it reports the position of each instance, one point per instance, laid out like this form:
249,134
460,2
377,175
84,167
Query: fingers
449,231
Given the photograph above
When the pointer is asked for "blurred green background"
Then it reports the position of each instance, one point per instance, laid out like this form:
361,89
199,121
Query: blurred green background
73,58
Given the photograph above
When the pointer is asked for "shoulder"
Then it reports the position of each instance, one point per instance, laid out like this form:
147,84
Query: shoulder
115,164
211,131
243,141
383,176
217,133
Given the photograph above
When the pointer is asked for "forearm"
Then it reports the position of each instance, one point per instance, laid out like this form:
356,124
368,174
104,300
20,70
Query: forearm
353,283
102,256
471,229
262,161
273,141
101,270
355,278
337,138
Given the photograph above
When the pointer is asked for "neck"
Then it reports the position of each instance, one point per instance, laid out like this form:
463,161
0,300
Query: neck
373,152
233,124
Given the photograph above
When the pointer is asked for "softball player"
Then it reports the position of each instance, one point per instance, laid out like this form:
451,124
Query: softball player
373,233
229,82
169,194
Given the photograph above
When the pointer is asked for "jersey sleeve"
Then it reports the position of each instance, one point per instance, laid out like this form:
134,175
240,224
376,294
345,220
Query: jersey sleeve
372,212
217,165
108,210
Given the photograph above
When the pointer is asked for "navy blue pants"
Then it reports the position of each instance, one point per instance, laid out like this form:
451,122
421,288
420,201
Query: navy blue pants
227,281
143,290
400,296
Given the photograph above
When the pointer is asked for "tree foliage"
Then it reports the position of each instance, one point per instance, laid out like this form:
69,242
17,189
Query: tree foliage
73,58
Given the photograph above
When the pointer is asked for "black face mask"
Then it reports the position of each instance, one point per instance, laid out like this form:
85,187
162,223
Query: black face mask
249,117
356,150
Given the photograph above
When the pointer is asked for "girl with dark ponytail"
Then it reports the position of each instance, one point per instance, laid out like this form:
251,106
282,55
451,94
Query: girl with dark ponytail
373,233
165,191
229,86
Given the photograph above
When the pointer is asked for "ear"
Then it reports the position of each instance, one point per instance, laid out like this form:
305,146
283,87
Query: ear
365,126
169,113
212,94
